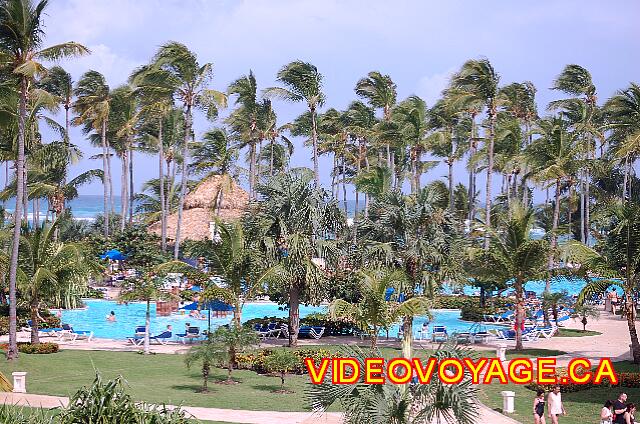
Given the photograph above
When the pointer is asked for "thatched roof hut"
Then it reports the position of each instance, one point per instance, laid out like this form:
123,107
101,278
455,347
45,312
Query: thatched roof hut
198,213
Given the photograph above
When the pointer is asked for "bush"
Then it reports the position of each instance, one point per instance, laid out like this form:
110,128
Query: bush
94,293
50,320
332,328
256,361
44,348
625,379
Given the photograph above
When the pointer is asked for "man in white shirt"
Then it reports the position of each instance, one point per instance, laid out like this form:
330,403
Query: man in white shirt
554,402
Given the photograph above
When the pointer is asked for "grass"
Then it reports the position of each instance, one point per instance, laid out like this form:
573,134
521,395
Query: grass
156,379
570,332
581,406
534,353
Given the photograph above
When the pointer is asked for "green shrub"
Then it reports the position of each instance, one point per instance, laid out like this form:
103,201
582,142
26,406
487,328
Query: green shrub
40,348
256,361
332,328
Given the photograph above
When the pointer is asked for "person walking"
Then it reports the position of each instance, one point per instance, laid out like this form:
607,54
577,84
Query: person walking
538,407
556,408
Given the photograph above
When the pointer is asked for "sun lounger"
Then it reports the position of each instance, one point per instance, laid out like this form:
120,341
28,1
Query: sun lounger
162,338
439,333
548,332
72,335
284,331
508,316
308,331
138,336
193,333
42,332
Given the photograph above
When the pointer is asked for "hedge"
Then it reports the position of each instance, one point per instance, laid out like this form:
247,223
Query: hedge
255,361
332,328
625,379
44,348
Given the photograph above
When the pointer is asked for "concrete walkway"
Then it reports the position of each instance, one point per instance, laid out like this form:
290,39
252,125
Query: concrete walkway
232,415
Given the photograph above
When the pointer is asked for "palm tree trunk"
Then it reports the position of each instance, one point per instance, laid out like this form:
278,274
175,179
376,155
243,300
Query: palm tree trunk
450,165
259,160
252,170
587,214
633,334
271,158
472,171
626,178
12,349
147,327
582,222
344,187
130,192
294,315
519,314
333,177
487,213
33,309
554,227
123,191
407,337
105,182
163,214
314,139
112,209
185,176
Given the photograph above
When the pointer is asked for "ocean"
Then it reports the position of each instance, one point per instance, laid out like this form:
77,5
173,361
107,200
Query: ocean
85,207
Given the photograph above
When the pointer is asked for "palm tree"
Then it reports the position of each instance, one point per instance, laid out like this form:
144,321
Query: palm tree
240,266
623,113
146,289
303,83
47,267
149,204
292,224
576,81
175,70
21,38
513,256
376,310
435,402
93,106
411,118
418,235
552,158
224,345
478,79
380,91
617,260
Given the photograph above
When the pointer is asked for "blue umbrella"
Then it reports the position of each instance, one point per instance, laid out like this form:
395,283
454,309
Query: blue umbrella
114,255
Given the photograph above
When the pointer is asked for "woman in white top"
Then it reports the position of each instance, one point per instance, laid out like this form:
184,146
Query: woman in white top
606,415
556,408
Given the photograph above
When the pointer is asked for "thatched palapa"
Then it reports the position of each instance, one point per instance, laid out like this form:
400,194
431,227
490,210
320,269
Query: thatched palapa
198,214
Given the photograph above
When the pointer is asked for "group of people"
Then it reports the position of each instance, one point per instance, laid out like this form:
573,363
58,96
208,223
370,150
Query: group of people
613,412
618,411
553,403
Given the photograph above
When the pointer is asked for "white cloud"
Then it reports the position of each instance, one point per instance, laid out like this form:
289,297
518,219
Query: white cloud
430,86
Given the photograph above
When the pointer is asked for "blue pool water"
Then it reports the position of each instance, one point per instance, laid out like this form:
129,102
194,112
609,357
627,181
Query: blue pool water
93,318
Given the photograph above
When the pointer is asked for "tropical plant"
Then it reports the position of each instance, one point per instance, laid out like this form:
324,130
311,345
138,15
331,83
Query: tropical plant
513,256
303,83
399,404
584,311
175,71
292,224
146,289
282,362
21,39
378,308
617,261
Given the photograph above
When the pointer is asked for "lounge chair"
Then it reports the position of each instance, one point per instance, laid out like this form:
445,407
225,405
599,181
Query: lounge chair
548,332
464,337
260,329
273,330
508,316
284,331
308,331
138,337
42,332
193,333
439,333
481,337
162,338
68,332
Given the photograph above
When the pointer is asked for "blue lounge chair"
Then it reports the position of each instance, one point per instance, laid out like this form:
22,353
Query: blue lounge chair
308,331
73,335
508,316
162,338
193,333
42,332
138,336
439,333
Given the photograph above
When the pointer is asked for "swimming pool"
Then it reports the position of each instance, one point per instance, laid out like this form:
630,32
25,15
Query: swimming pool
93,318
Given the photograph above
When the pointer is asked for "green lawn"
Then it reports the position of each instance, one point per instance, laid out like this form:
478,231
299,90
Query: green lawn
581,406
156,379
570,332
533,353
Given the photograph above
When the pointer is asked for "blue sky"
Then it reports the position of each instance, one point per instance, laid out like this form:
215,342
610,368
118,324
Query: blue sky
418,43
